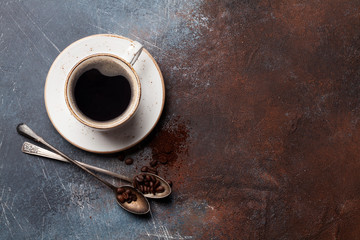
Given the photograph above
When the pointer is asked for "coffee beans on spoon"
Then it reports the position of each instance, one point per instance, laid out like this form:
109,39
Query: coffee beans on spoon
125,195
148,184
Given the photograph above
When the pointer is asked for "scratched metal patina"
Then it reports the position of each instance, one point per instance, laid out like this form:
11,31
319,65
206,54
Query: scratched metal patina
262,106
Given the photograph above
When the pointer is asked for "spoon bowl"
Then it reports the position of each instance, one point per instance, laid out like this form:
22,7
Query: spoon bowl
163,183
140,206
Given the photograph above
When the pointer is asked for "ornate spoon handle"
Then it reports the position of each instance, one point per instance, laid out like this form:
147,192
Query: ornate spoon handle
33,149
24,130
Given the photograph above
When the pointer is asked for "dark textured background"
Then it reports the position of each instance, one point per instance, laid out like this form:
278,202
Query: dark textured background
263,101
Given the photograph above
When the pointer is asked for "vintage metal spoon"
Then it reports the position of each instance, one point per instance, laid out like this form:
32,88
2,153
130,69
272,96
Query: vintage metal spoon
140,206
33,149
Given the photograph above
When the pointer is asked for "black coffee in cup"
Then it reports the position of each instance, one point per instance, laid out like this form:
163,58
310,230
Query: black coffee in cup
102,91
100,97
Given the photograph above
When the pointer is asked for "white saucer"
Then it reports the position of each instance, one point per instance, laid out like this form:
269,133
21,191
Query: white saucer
92,140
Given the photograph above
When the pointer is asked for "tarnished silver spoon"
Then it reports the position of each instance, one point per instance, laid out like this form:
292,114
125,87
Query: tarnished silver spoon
33,149
140,206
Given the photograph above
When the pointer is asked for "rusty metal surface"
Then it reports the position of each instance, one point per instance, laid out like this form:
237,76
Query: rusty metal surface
260,128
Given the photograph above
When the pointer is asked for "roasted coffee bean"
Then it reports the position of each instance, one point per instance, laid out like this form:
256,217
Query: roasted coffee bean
120,198
125,195
128,191
147,178
144,169
129,161
170,183
141,188
139,178
147,184
160,189
156,184
120,190
153,163
151,184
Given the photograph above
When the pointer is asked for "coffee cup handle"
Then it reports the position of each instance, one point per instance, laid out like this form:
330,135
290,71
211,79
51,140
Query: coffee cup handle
133,52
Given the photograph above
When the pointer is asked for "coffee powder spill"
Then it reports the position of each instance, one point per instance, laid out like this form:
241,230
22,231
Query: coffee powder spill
121,156
165,146
170,141
153,163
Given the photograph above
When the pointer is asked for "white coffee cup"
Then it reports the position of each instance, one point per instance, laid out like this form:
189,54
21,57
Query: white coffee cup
108,65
